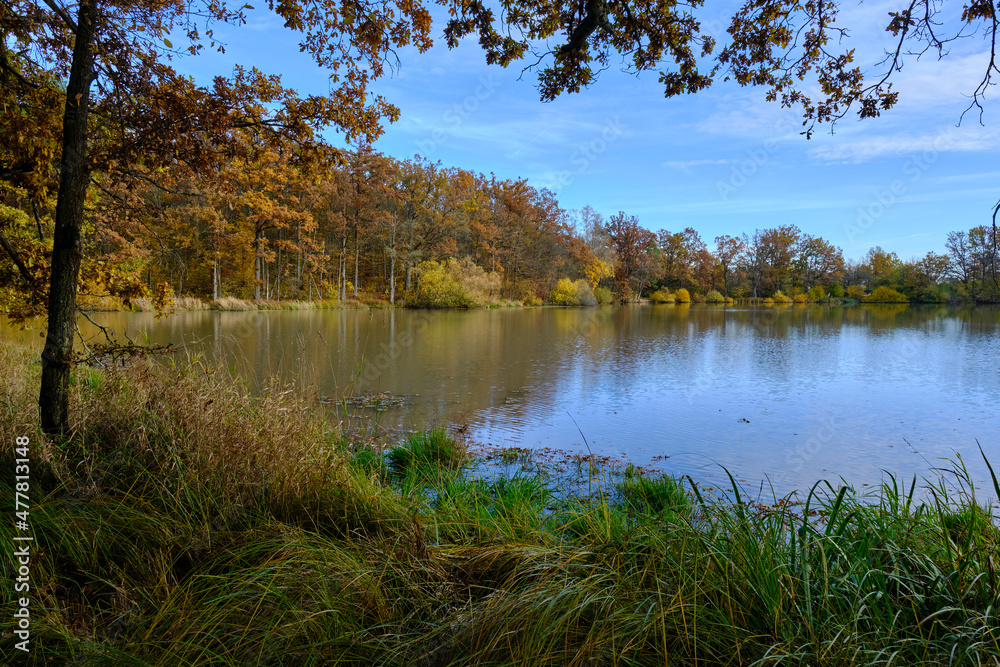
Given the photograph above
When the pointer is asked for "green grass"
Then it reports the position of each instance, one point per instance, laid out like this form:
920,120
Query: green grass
186,522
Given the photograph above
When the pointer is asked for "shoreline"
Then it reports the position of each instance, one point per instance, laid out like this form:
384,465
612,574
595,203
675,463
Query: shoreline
229,304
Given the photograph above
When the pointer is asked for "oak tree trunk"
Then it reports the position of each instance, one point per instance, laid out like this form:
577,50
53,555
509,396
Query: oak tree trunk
67,249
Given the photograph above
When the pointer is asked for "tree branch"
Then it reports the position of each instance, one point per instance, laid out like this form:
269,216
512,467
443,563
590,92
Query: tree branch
22,269
61,13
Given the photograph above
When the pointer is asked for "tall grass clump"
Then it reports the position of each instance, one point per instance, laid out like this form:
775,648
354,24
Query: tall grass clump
654,496
189,303
427,448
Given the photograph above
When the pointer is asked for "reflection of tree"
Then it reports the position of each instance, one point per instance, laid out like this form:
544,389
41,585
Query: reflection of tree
886,310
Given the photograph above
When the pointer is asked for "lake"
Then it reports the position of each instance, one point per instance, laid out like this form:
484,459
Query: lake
784,394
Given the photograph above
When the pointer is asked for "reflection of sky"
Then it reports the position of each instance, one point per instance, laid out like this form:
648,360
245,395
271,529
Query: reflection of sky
793,394
821,396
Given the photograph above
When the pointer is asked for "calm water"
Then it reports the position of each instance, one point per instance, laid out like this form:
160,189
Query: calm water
790,394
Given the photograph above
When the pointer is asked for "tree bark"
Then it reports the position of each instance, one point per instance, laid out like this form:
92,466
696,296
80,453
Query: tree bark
67,248
357,252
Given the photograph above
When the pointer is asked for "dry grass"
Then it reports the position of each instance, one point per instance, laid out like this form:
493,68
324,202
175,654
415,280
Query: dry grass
91,302
189,303
232,303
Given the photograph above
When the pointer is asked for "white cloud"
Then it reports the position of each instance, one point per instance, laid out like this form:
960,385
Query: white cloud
685,165
949,140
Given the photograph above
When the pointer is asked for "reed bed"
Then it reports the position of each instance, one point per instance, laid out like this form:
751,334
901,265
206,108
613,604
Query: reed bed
187,522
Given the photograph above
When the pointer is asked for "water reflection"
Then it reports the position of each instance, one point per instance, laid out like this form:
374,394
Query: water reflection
792,393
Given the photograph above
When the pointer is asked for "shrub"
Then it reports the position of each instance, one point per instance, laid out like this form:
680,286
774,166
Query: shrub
817,293
768,301
662,296
855,292
569,293
730,301
603,295
585,293
564,293
454,284
715,297
836,290
885,295
523,290
781,297
698,297
930,294
801,298
682,296
438,288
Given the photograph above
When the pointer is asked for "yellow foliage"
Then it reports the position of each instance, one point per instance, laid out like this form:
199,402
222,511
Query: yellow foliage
781,297
569,293
454,284
682,296
564,293
603,295
855,292
662,296
597,270
885,295
163,298
714,296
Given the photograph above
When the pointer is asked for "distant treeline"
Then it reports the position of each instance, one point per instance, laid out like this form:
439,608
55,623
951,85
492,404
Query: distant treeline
370,227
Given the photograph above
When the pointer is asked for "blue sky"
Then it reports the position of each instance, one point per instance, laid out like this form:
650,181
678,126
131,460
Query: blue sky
723,161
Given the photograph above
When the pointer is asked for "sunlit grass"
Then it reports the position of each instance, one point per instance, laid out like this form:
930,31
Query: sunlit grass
186,522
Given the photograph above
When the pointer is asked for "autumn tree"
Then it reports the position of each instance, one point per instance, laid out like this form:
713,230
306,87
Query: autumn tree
727,251
632,244
880,265
600,259
142,112
817,261
681,255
